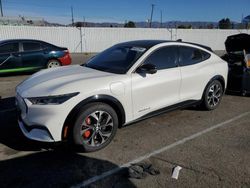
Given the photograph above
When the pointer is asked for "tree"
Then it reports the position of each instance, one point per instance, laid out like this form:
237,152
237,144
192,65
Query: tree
225,23
210,26
78,24
130,24
184,27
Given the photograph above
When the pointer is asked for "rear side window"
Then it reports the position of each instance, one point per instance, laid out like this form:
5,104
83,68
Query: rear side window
9,48
191,56
48,46
205,55
164,58
31,46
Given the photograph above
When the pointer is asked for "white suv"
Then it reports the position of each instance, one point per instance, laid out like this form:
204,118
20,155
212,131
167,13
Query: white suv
125,83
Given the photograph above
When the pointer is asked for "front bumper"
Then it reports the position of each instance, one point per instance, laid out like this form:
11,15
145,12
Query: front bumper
37,133
42,122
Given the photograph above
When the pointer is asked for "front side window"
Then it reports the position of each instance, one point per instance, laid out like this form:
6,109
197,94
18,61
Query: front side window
191,56
164,58
31,46
9,48
117,59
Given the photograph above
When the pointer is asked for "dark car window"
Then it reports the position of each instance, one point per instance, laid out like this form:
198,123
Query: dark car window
9,48
117,59
205,55
31,46
164,58
48,46
191,56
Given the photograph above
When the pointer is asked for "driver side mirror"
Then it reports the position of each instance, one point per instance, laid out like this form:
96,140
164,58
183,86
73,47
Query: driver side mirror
147,68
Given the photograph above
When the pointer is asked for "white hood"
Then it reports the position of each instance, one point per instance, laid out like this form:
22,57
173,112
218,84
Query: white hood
49,81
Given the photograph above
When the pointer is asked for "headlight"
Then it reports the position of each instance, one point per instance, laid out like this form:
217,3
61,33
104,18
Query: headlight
53,100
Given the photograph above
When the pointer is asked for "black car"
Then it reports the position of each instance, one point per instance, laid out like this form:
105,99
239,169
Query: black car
20,55
237,47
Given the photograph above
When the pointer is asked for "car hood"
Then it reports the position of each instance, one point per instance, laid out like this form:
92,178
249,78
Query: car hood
237,42
51,81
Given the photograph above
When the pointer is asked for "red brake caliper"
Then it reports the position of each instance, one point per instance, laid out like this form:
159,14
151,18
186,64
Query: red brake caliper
87,133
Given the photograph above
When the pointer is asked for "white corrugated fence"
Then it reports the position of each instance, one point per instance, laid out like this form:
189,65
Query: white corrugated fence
97,39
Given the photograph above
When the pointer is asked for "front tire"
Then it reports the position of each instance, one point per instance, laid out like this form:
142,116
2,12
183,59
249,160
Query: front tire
95,127
212,95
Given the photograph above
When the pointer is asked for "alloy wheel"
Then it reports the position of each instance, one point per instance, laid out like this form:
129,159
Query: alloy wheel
97,128
214,95
53,64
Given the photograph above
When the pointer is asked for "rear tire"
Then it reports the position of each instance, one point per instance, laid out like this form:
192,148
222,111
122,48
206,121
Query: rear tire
244,93
53,63
95,127
212,95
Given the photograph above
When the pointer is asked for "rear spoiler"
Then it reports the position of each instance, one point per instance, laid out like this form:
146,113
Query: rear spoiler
200,45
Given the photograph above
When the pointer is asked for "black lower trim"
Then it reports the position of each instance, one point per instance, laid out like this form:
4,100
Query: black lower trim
167,109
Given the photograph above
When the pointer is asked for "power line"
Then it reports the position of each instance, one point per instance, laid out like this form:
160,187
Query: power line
151,17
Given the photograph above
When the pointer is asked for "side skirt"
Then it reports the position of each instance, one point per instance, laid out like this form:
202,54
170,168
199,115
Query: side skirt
166,109
22,69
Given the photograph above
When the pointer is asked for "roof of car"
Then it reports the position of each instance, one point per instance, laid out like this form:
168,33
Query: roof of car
150,43
20,40
26,40
143,43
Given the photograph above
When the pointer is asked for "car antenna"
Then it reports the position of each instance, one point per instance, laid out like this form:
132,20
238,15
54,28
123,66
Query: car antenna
179,40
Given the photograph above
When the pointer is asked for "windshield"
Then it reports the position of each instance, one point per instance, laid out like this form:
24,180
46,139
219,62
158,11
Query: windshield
117,59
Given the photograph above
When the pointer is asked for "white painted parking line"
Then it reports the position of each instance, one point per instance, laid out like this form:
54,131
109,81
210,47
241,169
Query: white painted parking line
182,141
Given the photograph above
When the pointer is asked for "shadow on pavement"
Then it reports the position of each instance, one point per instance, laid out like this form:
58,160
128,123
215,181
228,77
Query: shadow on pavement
16,74
58,169
10,133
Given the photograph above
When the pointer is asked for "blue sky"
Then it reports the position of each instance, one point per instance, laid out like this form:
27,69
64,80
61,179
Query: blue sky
121,10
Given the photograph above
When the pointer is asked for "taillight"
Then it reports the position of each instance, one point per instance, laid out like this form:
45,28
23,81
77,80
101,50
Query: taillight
66,51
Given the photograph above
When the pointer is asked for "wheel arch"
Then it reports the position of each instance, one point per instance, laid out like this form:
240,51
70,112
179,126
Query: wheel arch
220,79
106,99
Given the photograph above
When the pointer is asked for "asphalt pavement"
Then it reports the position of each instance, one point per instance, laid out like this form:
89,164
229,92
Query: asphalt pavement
212,147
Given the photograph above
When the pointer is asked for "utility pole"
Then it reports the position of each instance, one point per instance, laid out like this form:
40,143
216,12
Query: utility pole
81,35
84,21
161,19
72,16
151,17
1,8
